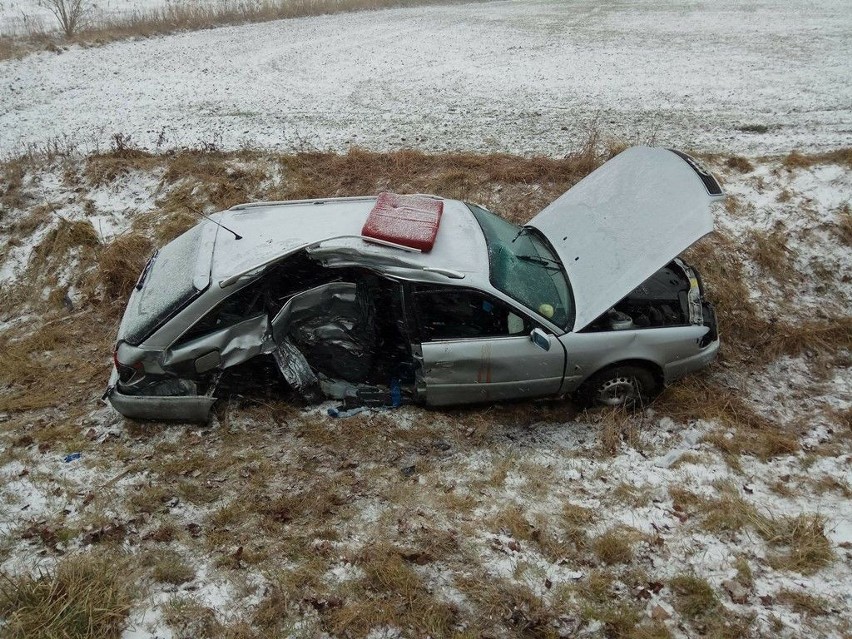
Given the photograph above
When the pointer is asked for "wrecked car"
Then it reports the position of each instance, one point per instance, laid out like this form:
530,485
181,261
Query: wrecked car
438,301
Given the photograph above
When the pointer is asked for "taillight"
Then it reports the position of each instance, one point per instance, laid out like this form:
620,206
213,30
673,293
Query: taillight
125,371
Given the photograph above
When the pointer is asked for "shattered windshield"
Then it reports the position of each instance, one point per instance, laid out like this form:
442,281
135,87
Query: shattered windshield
523,266
166,286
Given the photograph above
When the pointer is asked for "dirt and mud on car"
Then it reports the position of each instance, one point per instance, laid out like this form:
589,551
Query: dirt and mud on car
418,298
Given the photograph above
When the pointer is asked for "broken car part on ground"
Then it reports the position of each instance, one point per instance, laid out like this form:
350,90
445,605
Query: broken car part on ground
430,300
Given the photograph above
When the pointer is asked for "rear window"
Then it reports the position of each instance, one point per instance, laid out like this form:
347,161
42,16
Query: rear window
167,287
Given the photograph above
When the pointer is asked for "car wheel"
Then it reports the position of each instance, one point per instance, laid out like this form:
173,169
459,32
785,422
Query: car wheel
627,385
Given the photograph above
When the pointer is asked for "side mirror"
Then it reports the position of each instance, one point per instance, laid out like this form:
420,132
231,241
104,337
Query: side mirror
540,339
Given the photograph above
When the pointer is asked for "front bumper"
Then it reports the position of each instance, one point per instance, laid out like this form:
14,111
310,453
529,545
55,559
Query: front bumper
186,408
682,367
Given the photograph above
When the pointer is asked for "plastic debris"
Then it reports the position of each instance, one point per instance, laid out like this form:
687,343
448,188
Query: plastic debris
342,411
395,393
294,367
72,457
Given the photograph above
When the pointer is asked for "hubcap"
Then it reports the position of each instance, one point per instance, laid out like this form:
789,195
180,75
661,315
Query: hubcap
618,391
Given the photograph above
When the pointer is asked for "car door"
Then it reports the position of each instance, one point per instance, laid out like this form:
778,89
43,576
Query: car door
476,348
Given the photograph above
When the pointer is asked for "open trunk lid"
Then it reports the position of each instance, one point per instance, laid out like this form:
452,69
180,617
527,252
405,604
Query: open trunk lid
626,220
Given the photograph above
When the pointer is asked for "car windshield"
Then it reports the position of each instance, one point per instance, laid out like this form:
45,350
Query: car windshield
523,266
166,286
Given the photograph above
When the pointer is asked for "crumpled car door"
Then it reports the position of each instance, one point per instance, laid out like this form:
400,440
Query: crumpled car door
316,312
221,349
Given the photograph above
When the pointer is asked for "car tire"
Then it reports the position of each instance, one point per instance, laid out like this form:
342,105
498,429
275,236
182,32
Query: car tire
626,385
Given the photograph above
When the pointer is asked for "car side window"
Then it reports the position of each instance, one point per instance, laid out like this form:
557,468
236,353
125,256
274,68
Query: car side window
452,313
245,303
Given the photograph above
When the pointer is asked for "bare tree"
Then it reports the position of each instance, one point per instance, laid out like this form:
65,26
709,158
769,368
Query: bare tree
68,12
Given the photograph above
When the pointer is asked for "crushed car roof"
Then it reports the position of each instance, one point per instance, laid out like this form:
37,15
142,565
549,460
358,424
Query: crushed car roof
271,230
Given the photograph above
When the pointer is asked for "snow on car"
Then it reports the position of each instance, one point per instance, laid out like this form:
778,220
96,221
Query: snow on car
430,300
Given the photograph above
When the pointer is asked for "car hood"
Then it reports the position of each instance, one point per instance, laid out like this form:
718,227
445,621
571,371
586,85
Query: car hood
625,221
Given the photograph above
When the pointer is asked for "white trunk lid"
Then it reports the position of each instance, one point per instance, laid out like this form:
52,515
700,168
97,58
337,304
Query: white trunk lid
626,220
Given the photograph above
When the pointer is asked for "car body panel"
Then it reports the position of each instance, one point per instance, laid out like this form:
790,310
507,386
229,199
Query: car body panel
490,369
190,408
234,344
328,297
621,223
588,353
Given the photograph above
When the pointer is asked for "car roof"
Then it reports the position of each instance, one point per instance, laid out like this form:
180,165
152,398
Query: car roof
270,230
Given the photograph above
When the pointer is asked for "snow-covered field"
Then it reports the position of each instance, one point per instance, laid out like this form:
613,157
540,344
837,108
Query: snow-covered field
724,510
18,17
522,77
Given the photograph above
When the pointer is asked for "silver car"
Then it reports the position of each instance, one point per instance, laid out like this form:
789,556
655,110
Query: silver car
429,300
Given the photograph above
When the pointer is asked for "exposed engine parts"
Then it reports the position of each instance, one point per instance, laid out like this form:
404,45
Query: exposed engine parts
661,300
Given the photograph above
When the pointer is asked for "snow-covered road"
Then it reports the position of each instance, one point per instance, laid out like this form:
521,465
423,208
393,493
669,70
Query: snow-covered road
523,76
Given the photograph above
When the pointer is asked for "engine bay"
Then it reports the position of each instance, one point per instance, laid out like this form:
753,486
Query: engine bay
661,300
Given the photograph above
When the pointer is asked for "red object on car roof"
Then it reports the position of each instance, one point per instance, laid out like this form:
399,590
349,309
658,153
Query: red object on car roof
409,220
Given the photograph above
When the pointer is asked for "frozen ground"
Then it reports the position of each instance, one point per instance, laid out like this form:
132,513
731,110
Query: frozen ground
522,77
479,509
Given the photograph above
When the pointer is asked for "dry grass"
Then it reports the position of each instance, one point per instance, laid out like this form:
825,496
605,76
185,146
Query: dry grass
694,597
167,566
285,494
513,521
771,252
461,175
615,546
739,164
803,603
190,619
801,541
508,606
85,596
745,576
119,264
805,548
57,346
699,398
843,225
795,159
391,593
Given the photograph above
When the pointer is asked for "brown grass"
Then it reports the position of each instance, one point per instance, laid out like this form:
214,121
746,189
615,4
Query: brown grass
804,546
843,225
512,521
32,359
801,541
188,618
615,546
739,164
167,566
803,603
769,250
119,264
694,597
391,593
699,398
85,596
461,175
745,576
795,159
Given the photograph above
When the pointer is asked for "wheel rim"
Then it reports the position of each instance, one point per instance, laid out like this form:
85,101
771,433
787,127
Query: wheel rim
618,391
